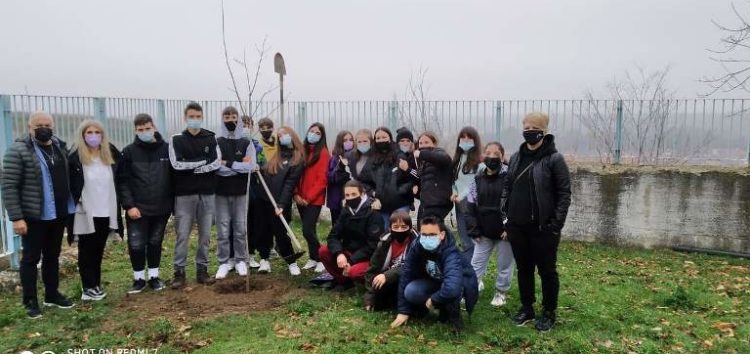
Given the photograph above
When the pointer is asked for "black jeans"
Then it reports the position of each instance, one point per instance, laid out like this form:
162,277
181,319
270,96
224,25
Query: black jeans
335,214
42,241
533,248
90,253
309,215
268,227
441,212
145,236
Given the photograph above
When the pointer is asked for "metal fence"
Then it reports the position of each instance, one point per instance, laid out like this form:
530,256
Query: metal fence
682,131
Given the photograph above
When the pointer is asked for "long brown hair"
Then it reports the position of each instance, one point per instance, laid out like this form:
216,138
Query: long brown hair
298,151
338,147
473,156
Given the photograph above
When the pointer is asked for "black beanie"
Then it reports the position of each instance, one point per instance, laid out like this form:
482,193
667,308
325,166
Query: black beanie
404,133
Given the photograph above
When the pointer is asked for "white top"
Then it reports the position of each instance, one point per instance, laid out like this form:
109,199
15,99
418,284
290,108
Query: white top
98,188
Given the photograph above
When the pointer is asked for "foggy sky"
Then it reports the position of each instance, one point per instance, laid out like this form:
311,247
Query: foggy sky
354,49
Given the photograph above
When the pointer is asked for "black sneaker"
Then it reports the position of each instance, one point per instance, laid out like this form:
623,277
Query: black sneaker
156,284
138,286
32,309
100,291
545,323
91,295
58,300
523,316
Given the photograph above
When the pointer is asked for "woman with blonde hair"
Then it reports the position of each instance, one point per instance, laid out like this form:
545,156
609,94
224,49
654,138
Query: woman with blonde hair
282,174
93,163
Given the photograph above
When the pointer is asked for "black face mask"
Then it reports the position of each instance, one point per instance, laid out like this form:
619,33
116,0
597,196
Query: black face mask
493,163
231,126
533,136
354,202
400,236
266,134
383,146
43,134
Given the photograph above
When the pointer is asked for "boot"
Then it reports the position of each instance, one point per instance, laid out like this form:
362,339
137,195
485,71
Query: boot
179,279
451,313
202,277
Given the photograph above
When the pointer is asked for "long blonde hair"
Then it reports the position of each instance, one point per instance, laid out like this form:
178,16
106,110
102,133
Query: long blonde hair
85,153
298,151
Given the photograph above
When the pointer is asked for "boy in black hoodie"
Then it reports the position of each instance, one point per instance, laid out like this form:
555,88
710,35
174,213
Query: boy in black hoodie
195,158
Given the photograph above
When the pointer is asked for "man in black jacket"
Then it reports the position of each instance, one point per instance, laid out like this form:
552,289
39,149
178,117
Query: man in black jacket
144,185
537,195
195,158
36,195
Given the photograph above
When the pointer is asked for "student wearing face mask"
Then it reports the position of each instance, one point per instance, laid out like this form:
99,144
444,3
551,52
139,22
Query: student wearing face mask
335,190
466,165
537,198
311,191
357,164
484,222
268,137
253,196
93,167
393,187
436,178
381,279
346,256
434,275
195,157
37,198
144,185
238,160
281,174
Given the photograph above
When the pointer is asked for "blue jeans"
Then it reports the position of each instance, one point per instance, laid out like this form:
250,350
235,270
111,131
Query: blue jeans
467,244
418,291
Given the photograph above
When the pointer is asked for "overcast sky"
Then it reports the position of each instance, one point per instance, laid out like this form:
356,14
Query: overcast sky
355,49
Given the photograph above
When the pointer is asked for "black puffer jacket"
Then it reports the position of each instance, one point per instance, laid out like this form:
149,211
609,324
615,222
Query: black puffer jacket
358,233
550,186
282,184
144,177
484,216
392,186
436,178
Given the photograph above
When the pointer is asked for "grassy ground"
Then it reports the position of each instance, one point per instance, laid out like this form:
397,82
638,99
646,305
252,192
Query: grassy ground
612,300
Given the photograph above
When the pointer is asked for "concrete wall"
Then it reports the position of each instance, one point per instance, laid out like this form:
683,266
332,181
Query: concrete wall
661,209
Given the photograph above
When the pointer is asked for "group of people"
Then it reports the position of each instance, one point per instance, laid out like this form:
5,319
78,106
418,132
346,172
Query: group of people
247,187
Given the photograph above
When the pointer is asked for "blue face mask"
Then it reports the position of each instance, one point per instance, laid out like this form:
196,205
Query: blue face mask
146,137
285,140
313,138
429,242
363,148
194,123
466,145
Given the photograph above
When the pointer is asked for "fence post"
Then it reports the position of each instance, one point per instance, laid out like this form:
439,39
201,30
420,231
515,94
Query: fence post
11,241
618,133
100,109
393,116
161,118
302,116
498,120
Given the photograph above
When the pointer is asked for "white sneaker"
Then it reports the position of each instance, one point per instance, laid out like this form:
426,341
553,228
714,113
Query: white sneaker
252,263
264,266
223,271
294,269
481,285
241,268
498,300
310,265
320,268
232,263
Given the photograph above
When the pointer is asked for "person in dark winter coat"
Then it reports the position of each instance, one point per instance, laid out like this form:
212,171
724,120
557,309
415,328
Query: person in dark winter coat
93,167
335,195
537,198
281,174
356,165
37,198
407,162
351,243
381,279
436,178
144,185
435,276
311,191
253,197
392,186
467,161
484,222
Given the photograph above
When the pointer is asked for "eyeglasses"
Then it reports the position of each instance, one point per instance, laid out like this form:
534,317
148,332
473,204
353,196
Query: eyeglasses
399,228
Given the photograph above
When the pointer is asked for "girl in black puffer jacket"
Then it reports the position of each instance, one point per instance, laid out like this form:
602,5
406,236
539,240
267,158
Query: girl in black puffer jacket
392,185
436,178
